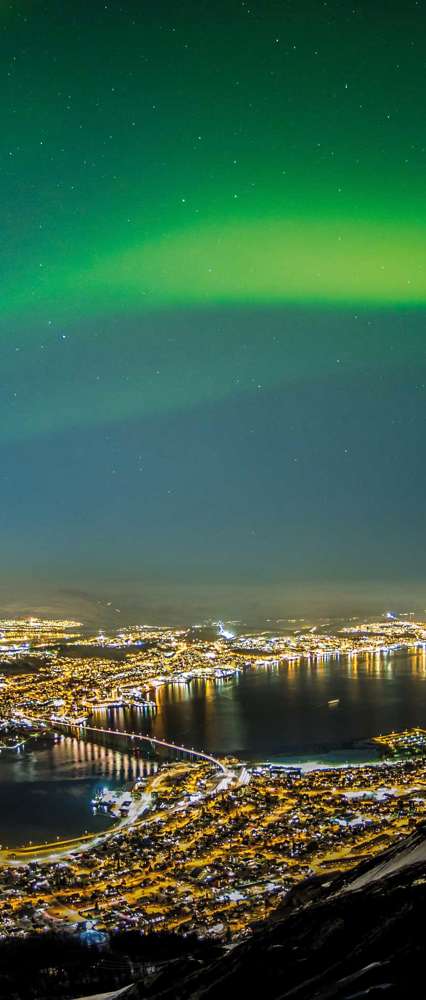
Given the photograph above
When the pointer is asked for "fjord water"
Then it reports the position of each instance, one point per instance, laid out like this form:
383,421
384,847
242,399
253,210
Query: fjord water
273,713
267,712
46,793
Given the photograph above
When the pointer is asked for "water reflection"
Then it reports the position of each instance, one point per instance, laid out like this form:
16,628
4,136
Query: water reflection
47,793
260,713
284,708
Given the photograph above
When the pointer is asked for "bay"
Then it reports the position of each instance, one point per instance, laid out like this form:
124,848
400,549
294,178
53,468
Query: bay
323,711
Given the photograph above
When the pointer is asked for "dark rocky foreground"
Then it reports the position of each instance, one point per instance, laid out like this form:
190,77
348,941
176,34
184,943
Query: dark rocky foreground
354,936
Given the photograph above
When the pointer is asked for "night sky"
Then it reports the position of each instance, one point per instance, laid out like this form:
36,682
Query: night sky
212,326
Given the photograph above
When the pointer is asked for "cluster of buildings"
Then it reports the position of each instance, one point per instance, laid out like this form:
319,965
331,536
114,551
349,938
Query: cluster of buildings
217,845
410,743
210,855
356,638
20,635
74,673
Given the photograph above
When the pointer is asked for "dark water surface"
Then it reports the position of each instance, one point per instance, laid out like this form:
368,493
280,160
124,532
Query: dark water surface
46,794
261,714
266,712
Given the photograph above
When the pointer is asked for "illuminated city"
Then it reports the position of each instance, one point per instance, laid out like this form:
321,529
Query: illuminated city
245,833
212,500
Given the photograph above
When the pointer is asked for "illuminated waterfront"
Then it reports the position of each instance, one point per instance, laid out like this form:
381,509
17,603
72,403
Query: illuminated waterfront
217,714
47,793
287,710
278,713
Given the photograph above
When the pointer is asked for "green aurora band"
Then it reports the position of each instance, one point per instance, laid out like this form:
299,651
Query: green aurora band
259,262
172,182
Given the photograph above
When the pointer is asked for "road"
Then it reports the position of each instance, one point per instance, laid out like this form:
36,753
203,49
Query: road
53,852
83,728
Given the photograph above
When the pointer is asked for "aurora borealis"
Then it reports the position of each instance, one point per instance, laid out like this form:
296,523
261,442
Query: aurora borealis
212,335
